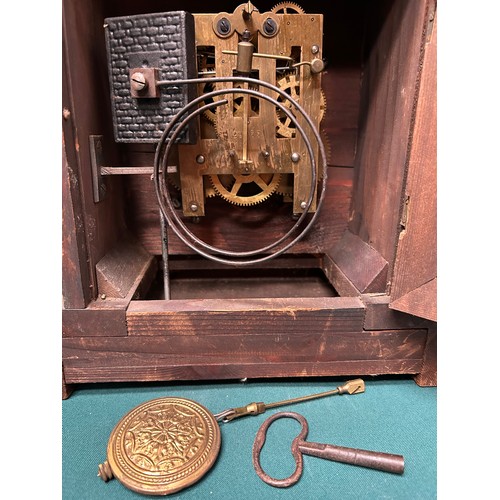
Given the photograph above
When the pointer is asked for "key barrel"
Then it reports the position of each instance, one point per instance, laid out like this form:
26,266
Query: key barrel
386,462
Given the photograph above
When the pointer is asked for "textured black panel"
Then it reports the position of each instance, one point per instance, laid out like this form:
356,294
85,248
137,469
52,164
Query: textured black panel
165,41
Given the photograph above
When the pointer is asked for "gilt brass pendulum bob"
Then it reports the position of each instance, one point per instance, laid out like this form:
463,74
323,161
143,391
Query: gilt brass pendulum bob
162,446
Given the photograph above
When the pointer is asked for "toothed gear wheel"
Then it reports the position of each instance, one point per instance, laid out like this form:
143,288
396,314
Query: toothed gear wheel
209,114
206,62
237,104
208,188
291,85
322,107
245,189
326,143
285,187
287,8
239,99
175,181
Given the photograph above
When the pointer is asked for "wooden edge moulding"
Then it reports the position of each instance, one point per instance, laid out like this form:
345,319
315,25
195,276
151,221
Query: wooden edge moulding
355,297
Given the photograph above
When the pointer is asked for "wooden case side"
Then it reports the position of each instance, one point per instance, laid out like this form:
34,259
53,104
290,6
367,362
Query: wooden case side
388,99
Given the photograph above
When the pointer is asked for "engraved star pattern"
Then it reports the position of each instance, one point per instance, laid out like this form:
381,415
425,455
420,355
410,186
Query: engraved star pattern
164,439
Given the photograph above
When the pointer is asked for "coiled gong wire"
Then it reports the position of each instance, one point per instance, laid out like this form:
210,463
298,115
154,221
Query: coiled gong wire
172,132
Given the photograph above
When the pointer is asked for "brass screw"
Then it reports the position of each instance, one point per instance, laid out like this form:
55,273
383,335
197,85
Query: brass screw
138,82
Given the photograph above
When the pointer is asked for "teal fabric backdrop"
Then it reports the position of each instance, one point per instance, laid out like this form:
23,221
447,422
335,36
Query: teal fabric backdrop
393,415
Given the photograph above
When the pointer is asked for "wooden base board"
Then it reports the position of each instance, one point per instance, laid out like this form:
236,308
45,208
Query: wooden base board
124,340
254,338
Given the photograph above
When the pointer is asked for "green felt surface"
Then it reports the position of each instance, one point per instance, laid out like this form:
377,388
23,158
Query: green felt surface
393,415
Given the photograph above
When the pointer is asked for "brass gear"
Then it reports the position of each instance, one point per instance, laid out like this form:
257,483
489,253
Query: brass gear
203,88
209,114
287,8
322,106
175,181
208,188
245,189
238,101
285,187
291,85
326,144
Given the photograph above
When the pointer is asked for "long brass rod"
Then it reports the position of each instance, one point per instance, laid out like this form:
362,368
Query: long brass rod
301,399
257,54
350,387
245,104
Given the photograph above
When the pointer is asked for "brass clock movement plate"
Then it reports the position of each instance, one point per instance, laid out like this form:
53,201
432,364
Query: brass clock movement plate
162,446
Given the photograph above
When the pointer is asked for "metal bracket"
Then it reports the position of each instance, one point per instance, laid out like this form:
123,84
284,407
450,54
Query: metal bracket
96,161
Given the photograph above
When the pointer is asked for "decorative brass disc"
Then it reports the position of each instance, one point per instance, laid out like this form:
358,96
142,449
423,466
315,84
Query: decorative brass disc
162,446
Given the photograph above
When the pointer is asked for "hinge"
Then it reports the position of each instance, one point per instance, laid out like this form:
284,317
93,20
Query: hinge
431,16
404,213
96,160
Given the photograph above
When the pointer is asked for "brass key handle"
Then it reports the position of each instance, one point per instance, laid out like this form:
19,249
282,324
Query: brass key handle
375,460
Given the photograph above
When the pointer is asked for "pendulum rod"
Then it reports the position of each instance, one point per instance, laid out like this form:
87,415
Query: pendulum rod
356,386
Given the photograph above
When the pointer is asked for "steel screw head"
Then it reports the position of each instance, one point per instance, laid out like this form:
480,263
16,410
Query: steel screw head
303,205
138,82
315,49
270,26
200,159
266,154
223,26
295,157
193,207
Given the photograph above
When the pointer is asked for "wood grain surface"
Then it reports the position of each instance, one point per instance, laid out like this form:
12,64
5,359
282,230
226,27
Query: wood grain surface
365,268
241,228
416,258
168,357
388,97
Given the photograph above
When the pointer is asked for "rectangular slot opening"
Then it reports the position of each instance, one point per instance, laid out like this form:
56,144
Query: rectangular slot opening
291,277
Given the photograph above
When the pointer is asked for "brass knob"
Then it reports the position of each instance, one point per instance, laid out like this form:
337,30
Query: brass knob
317,65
